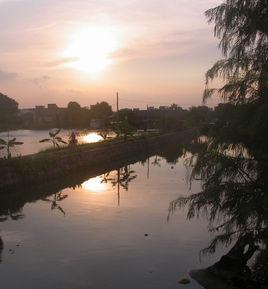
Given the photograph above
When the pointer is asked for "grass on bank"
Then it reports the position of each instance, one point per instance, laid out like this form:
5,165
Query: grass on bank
40,163
81,147
49,156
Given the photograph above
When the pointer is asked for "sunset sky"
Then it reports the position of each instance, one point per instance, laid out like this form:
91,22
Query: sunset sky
153,52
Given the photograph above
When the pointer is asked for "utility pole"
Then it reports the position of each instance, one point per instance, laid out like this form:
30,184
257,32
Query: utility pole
117,102
147,118
117,106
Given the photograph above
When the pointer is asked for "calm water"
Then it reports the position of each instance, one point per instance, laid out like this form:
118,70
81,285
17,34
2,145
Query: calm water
93,236
31,138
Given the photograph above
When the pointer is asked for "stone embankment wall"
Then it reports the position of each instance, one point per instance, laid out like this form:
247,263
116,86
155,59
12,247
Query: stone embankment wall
46,167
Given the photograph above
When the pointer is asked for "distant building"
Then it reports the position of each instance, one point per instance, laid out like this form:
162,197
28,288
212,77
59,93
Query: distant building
52,106
154,118
41,116
27,116
162,107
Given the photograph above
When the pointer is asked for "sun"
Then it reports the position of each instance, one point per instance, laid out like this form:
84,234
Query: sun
91,48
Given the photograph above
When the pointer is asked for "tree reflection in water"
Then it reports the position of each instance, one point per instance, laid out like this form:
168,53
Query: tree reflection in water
8,213
1,249
57,197
156,161
12,206
234,199
121,179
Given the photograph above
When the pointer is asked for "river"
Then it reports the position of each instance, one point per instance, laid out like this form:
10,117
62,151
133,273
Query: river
109,232
31,139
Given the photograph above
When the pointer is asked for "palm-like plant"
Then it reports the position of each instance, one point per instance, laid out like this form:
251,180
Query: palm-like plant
7,144
55,139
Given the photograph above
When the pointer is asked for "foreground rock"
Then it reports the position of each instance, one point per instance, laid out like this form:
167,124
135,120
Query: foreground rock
210,281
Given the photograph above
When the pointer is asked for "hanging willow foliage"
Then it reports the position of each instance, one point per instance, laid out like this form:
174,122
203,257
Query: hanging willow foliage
242,27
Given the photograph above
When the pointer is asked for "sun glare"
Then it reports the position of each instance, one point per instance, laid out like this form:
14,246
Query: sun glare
92,137
91,49
94,185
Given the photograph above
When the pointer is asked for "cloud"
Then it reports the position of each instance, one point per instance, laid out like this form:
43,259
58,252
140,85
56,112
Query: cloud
7,76
62,61
166,45
41,81
5,1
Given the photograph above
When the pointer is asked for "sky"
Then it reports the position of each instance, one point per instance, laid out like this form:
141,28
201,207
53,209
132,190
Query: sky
152,52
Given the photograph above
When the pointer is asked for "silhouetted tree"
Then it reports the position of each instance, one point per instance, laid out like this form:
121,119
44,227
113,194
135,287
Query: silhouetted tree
242,26
198,117
7,105
8,111
73,105
123,129
77,116
233,197
101,110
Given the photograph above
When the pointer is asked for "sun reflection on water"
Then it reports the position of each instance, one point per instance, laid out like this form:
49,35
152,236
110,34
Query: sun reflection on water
94,185
92,137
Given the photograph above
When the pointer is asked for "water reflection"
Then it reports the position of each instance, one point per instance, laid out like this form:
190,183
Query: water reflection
9,211
94,185
57,197
233,196
99,243
121,178
91,137
1,249
156,161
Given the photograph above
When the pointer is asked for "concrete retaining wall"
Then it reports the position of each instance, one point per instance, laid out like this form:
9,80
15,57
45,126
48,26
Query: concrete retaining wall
46,167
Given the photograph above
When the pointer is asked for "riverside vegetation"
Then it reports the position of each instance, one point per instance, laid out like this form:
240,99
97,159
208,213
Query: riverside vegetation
232,161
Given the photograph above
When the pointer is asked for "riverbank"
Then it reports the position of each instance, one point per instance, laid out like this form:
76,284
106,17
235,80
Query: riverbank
52,165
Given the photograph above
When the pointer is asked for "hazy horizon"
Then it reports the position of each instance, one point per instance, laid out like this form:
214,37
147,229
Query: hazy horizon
152,52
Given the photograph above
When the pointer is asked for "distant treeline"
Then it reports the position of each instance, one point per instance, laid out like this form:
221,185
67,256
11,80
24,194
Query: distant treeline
166,118
73,116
